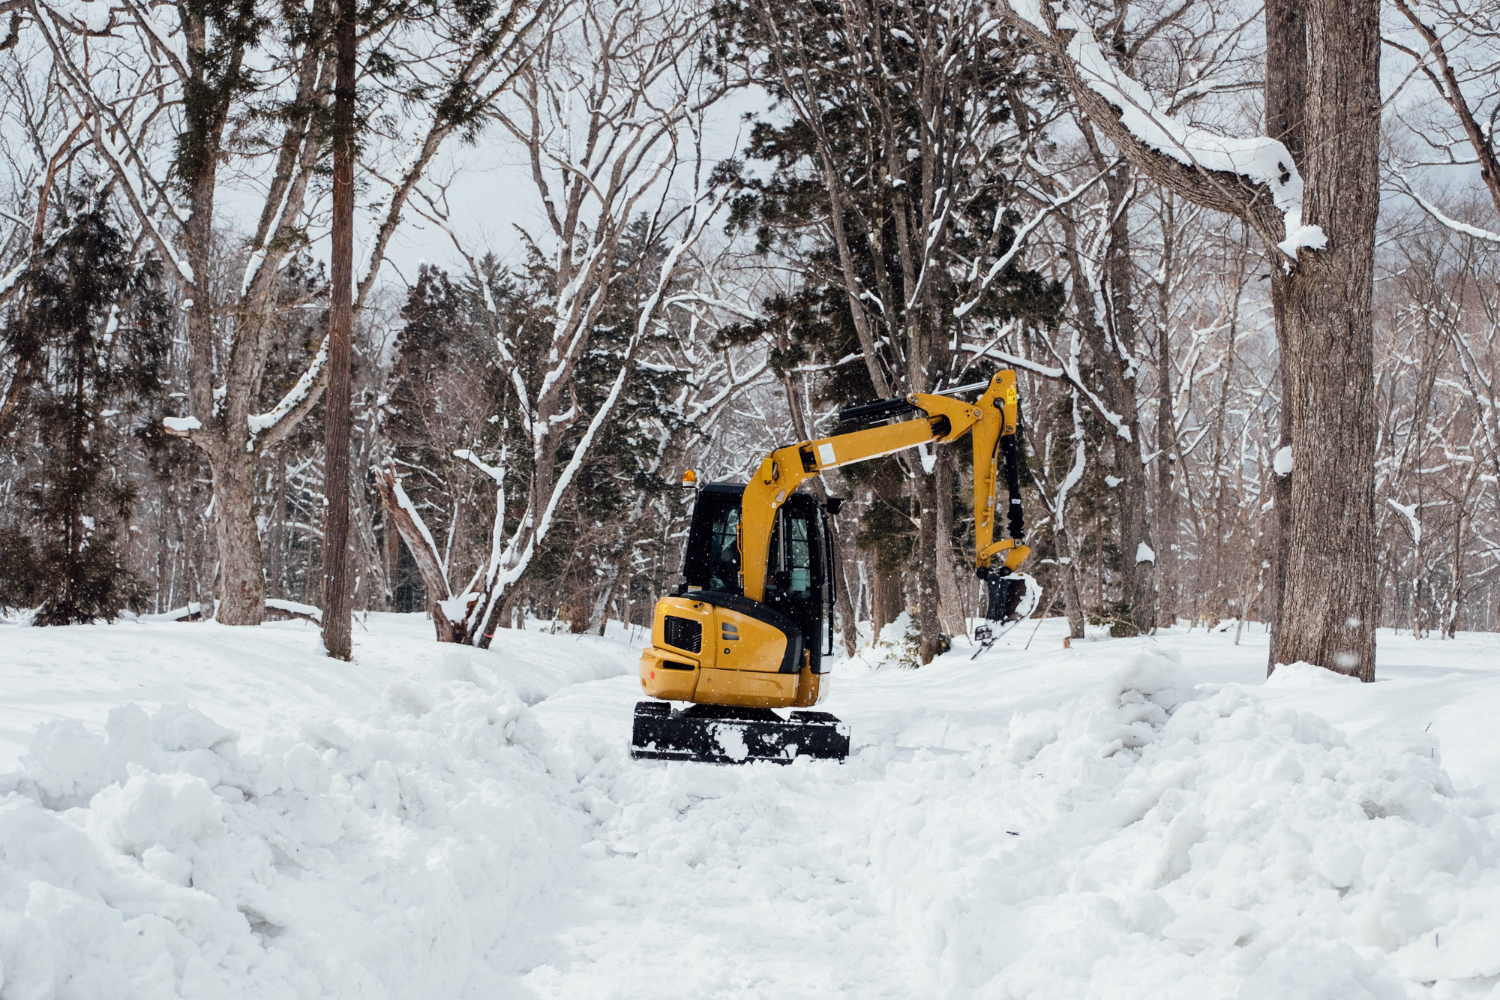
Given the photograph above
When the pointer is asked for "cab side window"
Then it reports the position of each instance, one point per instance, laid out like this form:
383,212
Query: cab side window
790,571
724,550
799,556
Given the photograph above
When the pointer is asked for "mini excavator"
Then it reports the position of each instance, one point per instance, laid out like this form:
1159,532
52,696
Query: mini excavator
745,633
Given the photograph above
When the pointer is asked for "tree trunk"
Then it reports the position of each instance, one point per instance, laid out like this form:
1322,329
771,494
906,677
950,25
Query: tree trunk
242,590
1328,606
927,564
1286,92
390,546
843,601
1118,394
274,543
886,598
951,611
1073,595
1166,440
1131,495
337,622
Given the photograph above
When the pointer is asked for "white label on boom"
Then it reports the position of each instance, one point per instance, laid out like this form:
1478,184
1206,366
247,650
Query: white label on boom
825,453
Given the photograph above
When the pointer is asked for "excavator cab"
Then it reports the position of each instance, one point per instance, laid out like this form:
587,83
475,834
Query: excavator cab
799,580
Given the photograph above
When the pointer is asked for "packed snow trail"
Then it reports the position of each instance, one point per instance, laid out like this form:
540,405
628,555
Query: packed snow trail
1123,819
708,881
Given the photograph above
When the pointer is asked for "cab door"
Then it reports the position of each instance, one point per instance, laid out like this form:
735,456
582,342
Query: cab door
798,581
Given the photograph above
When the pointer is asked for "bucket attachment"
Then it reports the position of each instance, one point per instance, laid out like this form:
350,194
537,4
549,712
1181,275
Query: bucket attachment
1012,599
720,734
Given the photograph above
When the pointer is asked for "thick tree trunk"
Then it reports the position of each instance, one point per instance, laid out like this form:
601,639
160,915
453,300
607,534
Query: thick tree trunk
1286,92
242,593
1328,606
337,623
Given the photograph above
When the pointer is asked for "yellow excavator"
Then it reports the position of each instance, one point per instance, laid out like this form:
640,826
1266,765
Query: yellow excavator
745,632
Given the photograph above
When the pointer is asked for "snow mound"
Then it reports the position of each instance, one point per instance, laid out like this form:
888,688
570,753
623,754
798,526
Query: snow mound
896,647
1161,840
1306,675
378,857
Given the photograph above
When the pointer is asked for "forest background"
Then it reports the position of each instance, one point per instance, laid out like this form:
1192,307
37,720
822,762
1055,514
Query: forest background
715,225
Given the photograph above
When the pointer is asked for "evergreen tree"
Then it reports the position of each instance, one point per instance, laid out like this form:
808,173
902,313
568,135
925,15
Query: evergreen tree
884,181
93,323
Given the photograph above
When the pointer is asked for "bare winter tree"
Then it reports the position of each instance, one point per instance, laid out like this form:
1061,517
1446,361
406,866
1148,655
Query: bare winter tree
610,110
187,106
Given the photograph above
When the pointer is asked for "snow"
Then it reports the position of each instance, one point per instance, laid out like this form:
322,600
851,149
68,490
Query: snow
456,609
1144,553
306,382
1282,463
1409,511
296,608
181,424
199,810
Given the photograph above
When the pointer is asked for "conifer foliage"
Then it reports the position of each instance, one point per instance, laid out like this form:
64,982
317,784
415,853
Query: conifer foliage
92,324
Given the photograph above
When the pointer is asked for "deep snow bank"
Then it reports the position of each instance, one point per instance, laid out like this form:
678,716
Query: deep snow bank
1154,839
264,679
365,859
372,835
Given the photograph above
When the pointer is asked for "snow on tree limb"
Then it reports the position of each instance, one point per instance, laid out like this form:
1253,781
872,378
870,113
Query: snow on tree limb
1409,511
1458,227
1218,168
300,397
181,426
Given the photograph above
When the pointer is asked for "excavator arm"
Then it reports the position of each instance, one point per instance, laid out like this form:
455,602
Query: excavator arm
993,421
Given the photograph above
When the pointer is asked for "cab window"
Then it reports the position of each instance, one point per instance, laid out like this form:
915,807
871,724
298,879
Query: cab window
724,551
712,559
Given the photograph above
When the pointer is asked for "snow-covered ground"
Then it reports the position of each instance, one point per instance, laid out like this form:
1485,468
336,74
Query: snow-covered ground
199,811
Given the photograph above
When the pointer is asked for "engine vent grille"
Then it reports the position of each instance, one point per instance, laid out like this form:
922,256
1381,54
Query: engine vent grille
683,633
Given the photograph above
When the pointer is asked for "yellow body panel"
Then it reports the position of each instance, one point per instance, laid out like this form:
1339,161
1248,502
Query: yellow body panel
746,688
810,688
668,683
736,665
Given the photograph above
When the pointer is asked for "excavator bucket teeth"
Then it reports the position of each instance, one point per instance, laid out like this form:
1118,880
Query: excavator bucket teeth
718,734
